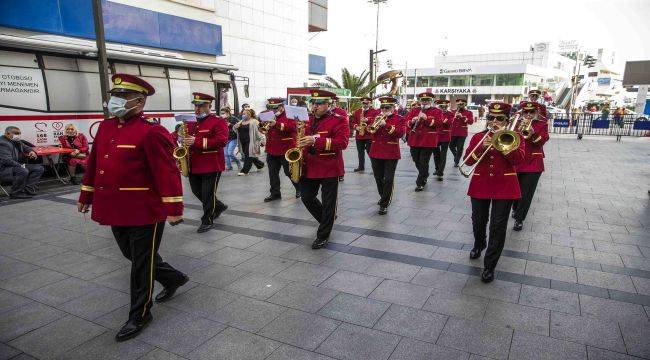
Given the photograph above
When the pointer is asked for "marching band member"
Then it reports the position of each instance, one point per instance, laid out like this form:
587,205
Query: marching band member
326,136
361,119
423,122
533,96
444,137
280,137
338,110
207,138
535,132
493,184
462,118
134,186
387,129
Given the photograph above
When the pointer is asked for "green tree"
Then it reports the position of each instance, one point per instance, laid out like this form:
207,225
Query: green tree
359,85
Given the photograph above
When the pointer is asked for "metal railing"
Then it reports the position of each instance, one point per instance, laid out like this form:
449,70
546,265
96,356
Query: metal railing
597,124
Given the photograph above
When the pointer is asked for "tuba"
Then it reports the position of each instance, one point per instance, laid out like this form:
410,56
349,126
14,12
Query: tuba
390,76
294,155
182,152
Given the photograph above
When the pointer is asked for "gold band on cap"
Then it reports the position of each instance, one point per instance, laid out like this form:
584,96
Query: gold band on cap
121,84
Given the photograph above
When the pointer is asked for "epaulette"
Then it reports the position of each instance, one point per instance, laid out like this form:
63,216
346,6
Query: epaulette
149,120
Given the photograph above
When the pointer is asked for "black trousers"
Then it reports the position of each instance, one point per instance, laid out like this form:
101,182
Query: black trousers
498,218
421,157
527,184
22,178
363,148
275,163
440,157
384,172
456,146
140,245
249,161
204,187
324,212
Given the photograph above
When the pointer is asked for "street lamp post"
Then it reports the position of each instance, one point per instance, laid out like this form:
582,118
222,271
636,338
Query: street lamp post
101,53
373,54
373,57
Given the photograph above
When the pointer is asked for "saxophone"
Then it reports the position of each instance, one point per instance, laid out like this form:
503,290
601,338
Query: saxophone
182,152
363,123
294,155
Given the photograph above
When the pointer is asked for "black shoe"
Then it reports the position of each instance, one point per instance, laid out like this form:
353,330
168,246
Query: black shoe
518,226
487,276
358,169
297,194
419,188
456,165
203,228
274,197
319,243
132,328
378,202
475,253
382,210
74,180
260,167
513,214
168,292
439,178
217,212
341,178
20,195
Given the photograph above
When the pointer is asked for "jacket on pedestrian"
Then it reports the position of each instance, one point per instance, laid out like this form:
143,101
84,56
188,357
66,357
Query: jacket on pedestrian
256,138
12,152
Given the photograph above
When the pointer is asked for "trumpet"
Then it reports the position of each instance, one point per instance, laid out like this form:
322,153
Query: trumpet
525,128
415,123
375,124
504,140
182,152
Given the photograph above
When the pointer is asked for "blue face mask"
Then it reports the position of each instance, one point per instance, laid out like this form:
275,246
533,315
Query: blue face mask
117,106
244,117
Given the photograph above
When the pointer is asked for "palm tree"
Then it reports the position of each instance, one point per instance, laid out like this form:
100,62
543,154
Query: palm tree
358,85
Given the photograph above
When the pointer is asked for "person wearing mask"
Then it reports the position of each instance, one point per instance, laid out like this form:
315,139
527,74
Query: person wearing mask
444,137
250,140
385,150
244,106
229,150
462,118
533,96
280,137
77,141
326,136
492,188
134,186
13,165
423,121
361,119
293,101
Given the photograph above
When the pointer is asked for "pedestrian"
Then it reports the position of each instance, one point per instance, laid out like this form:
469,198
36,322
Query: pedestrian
249,141
229,150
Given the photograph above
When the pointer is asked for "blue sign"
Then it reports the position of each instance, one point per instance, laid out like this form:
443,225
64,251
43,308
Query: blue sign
317,64
561,123
641,125
600,124
604,81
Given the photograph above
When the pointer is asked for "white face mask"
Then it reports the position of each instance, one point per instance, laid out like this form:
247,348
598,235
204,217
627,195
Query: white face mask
426,106
116,106
16,137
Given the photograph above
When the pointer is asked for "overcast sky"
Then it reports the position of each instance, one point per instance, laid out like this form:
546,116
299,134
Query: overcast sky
417,30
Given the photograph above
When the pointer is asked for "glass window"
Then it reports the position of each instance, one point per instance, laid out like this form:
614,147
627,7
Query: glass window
154,71
200,75
410,81
440,81
18,59
510,79
462,80
178,73
127,69
59,63
74,91
160,100
483,80
423,81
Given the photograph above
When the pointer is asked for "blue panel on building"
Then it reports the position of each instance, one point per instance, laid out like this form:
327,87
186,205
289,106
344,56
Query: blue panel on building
122,24
317,64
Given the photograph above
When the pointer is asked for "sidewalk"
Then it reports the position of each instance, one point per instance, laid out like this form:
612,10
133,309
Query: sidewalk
574,284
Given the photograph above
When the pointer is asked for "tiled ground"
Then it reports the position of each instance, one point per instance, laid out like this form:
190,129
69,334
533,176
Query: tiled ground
575,284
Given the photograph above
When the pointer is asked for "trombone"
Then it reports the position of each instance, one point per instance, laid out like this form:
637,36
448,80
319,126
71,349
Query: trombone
504,140
375,124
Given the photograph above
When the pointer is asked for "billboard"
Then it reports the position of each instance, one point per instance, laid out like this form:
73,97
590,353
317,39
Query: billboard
636,73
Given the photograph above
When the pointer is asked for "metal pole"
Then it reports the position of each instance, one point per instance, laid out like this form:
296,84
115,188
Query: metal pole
102,59
574,83
376,38
370,66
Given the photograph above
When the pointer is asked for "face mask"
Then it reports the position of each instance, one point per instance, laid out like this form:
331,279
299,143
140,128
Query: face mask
426,106
294,103
244,117
116,106
16,138
202,115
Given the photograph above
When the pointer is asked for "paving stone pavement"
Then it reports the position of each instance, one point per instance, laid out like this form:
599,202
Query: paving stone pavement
574,284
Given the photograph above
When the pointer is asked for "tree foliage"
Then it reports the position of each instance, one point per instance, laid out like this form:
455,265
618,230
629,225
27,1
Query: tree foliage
359,85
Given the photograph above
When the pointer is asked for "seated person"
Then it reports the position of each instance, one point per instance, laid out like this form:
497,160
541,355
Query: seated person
77,141
13,165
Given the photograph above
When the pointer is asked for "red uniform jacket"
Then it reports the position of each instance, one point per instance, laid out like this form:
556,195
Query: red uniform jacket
444,131
325,158
282,136
460,123
534,159
495,176
426,134
211,136
132,178
341,112
79,141
370,117
385,142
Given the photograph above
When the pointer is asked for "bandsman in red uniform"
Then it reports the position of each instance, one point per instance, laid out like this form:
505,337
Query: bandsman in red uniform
385,151
462,119
422,124
326,136
444,137
361,119
207,138
338,110
493,184
280,137
530,170
134,186
533,96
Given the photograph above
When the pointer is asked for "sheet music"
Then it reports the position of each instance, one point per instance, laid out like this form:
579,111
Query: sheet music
266,116
185,117
294,112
